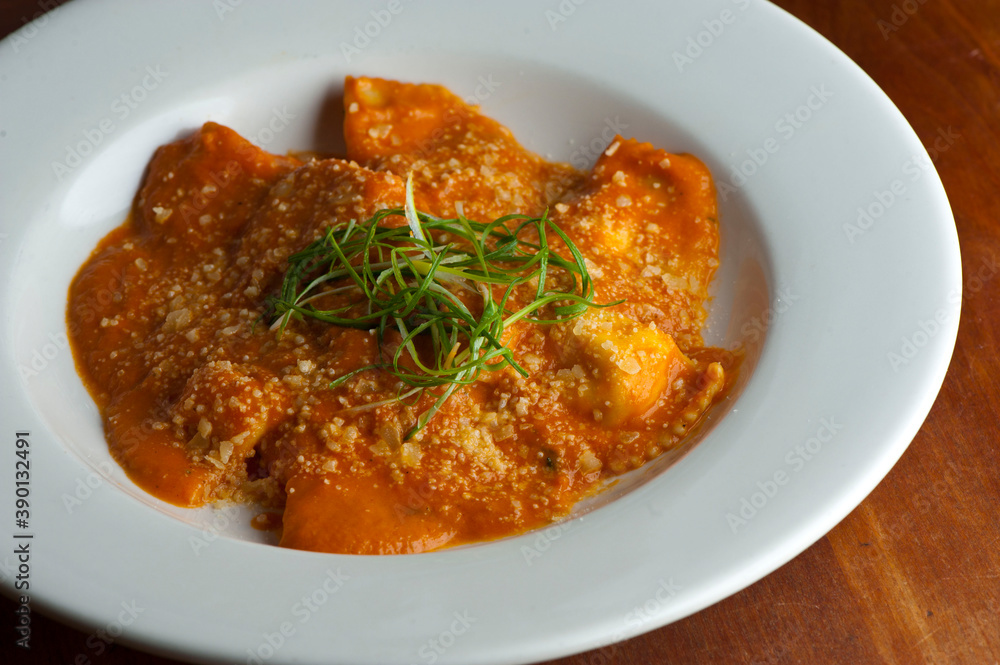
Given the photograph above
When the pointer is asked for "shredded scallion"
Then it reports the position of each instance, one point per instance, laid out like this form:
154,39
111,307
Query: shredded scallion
453,298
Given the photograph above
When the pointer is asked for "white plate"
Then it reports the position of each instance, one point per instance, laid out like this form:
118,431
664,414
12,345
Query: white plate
840,272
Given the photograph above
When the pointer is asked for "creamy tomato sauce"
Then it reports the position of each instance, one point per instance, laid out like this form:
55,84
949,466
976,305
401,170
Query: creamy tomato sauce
203,401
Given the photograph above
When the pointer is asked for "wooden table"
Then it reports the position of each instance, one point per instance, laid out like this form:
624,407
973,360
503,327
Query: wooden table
913,574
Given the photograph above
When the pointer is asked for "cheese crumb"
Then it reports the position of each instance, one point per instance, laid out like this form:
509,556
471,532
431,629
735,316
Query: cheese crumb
162,214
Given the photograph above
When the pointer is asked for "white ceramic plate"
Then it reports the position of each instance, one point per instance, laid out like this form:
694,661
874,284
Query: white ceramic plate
840,274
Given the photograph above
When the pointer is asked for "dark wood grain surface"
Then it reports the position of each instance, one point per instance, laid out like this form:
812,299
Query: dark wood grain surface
913,574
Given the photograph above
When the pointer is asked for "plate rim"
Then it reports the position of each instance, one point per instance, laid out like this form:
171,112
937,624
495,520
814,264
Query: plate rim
791,545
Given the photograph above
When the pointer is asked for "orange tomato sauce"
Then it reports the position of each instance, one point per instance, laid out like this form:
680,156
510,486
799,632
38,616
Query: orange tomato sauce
203,402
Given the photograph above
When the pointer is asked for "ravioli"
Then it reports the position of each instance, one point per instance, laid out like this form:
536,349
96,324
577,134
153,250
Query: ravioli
208,396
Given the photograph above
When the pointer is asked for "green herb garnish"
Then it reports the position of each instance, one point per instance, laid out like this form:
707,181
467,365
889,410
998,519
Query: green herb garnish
436,293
